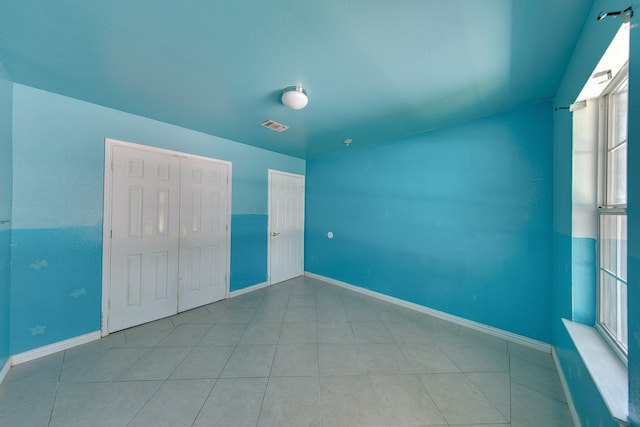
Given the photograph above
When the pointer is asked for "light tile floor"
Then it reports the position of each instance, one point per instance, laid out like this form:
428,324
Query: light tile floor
300,353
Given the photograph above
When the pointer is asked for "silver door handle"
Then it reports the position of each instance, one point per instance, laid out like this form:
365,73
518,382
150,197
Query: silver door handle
275,234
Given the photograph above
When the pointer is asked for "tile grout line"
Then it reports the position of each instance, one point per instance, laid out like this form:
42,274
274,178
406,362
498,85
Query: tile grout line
55,393
319,403
510,390
164,382
204,402
264,396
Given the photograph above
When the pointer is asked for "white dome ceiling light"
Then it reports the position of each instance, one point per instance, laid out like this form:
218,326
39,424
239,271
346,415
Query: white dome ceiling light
295,97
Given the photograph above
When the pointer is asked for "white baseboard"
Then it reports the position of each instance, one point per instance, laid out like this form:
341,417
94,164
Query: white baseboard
248,289
490,330
5,370
565,388
36,353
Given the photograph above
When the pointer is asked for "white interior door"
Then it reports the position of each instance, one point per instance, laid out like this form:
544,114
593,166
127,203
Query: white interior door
204,232
286,226
144,236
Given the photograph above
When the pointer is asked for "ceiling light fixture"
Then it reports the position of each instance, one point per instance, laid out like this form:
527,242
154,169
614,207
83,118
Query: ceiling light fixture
295,97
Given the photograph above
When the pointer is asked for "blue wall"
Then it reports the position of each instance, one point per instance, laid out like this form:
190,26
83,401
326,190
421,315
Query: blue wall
58,165
457,219
574,256
6,105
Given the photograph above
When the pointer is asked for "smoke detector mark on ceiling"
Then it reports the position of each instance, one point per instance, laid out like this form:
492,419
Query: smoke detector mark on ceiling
278,127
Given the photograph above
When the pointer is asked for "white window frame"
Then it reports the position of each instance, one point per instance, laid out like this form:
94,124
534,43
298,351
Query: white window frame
606,133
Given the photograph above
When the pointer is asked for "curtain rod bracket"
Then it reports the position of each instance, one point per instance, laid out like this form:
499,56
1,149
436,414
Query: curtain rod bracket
626,14
578,105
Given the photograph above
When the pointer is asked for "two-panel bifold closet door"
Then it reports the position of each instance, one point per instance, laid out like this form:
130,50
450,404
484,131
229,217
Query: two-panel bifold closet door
169,240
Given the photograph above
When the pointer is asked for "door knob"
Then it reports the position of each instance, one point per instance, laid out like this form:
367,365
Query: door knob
275,234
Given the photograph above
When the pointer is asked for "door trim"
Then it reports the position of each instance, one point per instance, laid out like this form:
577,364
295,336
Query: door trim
271,172
109,143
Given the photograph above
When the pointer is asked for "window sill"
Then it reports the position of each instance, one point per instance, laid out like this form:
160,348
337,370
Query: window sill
608,372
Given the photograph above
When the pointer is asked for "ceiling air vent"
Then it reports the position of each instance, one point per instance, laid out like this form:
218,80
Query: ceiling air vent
278,127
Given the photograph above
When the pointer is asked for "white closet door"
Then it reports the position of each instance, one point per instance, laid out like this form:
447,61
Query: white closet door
144,239
204,232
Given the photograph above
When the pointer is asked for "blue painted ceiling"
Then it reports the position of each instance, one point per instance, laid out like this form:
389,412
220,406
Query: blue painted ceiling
374,69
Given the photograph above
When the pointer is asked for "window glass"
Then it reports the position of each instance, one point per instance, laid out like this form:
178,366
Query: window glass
608,304
622,337
612,239
617,176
